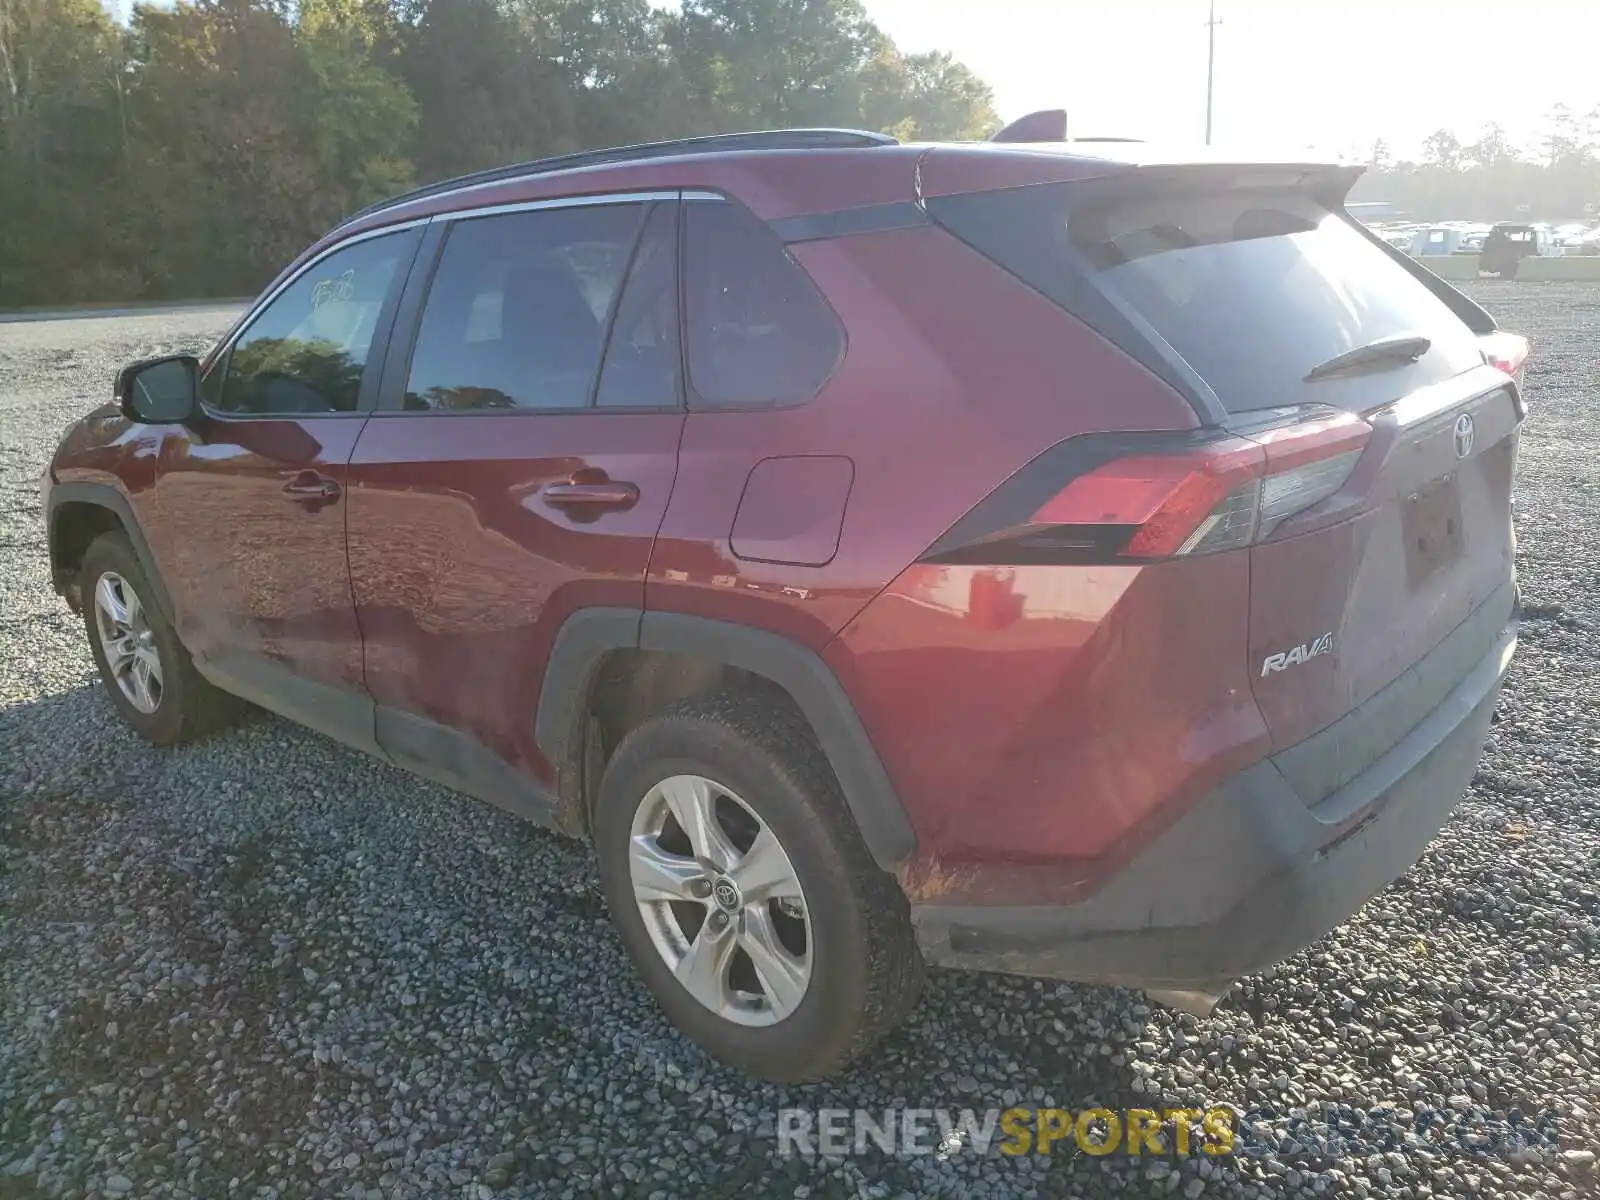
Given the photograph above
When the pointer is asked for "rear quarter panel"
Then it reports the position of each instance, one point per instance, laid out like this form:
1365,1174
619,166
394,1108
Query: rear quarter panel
1046,720
955,376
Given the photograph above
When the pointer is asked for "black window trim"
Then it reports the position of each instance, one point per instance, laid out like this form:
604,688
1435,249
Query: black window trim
675,216
849,222
377,350
1100,308
403,340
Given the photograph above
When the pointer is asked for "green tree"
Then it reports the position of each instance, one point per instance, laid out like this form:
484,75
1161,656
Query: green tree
61,149
933,97
485,96
254,137
1493,149
617,65
361,116
1489,180
771,64
198,150
1443,149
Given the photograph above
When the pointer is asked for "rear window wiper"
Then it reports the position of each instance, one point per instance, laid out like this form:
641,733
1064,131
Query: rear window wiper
1401,348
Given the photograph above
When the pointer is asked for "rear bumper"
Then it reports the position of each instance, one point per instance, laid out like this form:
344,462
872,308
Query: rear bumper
1251,874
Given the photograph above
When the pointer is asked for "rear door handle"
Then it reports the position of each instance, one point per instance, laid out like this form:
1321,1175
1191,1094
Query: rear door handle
308,486
612,493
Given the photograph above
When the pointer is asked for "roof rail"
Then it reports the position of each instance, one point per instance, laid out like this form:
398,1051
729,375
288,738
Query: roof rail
776,139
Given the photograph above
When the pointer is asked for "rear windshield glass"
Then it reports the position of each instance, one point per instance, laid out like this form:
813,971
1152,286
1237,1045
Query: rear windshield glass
1251,288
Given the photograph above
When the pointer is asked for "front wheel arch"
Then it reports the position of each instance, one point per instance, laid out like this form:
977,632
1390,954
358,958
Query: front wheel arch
78,514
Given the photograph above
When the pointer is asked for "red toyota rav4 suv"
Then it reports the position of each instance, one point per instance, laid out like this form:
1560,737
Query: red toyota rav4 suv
1049,558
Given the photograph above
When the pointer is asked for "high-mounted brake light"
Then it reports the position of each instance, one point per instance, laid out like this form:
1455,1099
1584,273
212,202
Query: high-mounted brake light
1166,501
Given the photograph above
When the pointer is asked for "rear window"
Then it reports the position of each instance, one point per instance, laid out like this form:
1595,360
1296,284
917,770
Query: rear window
1247,288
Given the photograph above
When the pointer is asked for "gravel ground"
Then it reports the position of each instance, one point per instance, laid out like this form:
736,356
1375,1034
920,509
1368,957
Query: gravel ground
267,966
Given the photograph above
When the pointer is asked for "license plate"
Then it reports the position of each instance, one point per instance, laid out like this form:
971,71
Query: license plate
1431,523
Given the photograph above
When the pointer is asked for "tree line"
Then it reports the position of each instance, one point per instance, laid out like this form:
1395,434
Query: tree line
1491,178
194,151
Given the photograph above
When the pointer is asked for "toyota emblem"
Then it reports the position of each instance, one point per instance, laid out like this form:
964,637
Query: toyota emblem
726,893
1464,435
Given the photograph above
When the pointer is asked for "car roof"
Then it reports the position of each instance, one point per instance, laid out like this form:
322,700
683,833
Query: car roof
774,182
599,170
793,173
721,143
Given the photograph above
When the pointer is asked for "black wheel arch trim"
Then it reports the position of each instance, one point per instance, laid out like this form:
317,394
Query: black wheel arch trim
587,635
103,495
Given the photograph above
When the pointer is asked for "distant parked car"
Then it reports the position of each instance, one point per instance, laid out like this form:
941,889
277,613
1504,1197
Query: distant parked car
1090,563
1440,240
1586,243
1508,244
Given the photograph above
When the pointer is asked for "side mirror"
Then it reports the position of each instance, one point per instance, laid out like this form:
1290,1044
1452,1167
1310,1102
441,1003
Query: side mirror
160,391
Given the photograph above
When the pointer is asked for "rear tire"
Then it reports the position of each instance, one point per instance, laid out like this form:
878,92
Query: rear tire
146,671
847,923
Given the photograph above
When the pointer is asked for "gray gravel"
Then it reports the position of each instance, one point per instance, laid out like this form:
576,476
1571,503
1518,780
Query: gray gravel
267,966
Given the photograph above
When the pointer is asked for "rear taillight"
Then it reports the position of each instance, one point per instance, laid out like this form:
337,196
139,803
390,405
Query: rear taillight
1505,351
1508,352
1139,497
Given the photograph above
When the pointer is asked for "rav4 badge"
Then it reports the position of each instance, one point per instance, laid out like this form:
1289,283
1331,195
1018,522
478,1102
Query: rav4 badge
1301,653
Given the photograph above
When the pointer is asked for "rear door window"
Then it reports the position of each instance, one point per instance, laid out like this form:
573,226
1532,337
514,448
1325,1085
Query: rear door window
1250,288
516,314
759,334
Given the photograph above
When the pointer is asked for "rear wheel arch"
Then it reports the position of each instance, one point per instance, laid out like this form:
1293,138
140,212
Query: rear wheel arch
81,512
610,668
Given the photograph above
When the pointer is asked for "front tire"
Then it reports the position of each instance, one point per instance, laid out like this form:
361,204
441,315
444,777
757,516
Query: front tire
146,671
744,894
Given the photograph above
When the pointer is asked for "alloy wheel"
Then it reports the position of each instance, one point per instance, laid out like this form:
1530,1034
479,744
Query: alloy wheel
721,900
128,642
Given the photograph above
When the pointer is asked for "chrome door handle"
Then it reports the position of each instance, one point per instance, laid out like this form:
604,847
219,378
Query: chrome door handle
610,494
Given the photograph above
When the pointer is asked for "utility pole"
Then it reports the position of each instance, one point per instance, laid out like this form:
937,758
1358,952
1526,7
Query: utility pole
1211,63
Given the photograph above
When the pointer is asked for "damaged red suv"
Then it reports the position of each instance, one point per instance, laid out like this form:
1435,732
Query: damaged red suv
1054,558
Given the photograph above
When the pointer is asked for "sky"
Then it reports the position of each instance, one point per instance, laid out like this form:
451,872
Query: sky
1334,75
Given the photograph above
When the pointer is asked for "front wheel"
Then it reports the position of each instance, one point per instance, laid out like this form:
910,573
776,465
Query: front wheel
147,672
744,894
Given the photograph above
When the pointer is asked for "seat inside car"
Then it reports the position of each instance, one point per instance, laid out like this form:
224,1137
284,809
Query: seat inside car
549,339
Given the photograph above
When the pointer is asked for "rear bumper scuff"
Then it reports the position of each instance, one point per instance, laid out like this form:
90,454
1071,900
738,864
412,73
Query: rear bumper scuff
1252,874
